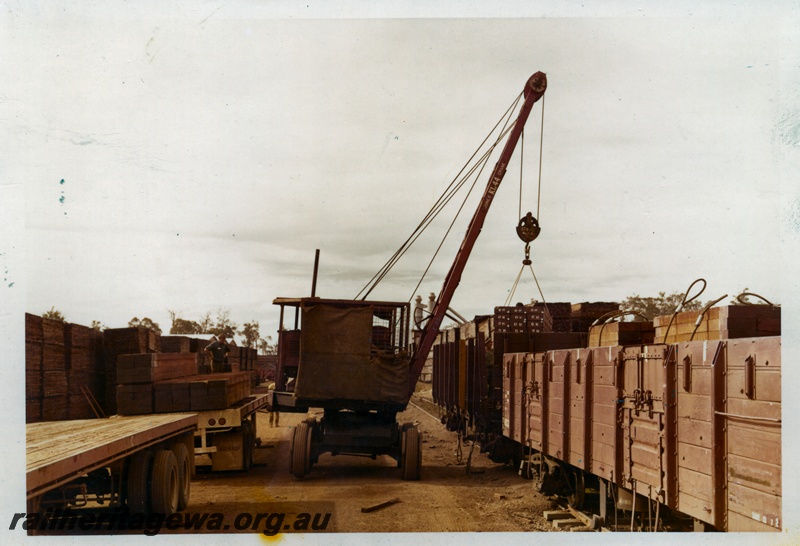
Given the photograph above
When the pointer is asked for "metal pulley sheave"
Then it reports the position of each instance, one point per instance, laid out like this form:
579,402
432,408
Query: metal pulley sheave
528,230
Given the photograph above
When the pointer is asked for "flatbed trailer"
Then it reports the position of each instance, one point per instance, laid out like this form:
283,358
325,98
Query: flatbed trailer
225,439
142,461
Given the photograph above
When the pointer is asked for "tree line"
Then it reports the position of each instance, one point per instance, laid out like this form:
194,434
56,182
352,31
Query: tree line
216,325
649,307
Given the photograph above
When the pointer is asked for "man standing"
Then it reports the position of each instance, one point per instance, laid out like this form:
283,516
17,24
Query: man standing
218,350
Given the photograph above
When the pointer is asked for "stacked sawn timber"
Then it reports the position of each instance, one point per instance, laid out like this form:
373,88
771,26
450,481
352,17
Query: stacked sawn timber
585,313
726,322
60,359
168,382
522,319
121,341
621,333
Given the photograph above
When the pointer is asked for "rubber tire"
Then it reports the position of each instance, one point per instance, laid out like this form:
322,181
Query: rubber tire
140,473
301,443
165,489
411,456
184,474
248,443
578,496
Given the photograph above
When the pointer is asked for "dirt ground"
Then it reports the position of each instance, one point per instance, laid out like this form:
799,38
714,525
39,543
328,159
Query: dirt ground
492,498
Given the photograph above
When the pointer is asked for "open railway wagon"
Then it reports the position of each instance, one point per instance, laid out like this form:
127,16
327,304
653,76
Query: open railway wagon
689,427
354,359
469,378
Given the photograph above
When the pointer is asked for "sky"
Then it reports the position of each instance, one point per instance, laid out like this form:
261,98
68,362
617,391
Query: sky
191,156
192,160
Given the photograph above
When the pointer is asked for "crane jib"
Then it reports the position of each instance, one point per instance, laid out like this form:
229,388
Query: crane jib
494,183
534,90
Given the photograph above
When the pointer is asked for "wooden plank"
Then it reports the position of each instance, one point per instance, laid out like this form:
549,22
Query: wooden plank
604,413
33,355
767,384
753,409
695,458
57,452
55,408
755,504
694,507
755,442
697,408
53,332
33,328
603,375
144,368
738,523
694,432
755,474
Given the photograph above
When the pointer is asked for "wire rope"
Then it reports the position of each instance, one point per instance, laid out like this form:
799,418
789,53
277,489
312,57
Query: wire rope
455,185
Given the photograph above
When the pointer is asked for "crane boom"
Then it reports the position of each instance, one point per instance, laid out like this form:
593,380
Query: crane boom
534,90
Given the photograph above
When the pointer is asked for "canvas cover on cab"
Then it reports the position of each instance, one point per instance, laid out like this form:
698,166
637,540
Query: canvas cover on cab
339,361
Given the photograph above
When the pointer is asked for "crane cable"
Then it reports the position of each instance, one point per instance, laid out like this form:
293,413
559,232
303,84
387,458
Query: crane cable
527,261
455,185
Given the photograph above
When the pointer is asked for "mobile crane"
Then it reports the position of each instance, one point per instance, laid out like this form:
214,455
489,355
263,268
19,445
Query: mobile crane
355,360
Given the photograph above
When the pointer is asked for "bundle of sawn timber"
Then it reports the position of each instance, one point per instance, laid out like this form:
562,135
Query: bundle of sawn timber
169,382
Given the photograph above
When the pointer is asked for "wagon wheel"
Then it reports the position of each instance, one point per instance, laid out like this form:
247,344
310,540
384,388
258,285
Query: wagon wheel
165,490
184,473
411,455
140,475
301,450
577,485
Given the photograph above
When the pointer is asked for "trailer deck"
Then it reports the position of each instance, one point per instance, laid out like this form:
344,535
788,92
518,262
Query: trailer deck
59,451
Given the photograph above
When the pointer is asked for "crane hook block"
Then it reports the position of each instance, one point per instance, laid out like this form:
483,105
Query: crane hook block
528,228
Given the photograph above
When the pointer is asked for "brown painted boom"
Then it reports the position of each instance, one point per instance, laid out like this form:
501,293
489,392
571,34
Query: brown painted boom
534,90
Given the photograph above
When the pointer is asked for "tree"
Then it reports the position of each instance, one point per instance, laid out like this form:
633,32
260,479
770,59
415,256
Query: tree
182,326
662,305
250,333
144,323
54,314
99,326
205,324
267,347
223,325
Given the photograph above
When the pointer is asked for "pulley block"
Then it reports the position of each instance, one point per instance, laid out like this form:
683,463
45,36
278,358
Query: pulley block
528,228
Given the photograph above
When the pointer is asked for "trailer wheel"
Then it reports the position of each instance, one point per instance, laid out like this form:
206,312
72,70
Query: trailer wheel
165,490
184,474
301,450
411,455
140,475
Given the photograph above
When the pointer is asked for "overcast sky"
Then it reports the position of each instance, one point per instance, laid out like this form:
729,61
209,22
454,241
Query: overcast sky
191,156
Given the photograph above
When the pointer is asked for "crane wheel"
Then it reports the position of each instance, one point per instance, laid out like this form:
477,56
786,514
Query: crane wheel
184,473
140,473
165,489
301,450
411,454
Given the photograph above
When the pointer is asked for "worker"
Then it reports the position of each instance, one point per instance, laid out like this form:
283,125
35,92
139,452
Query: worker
274,418
218,350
